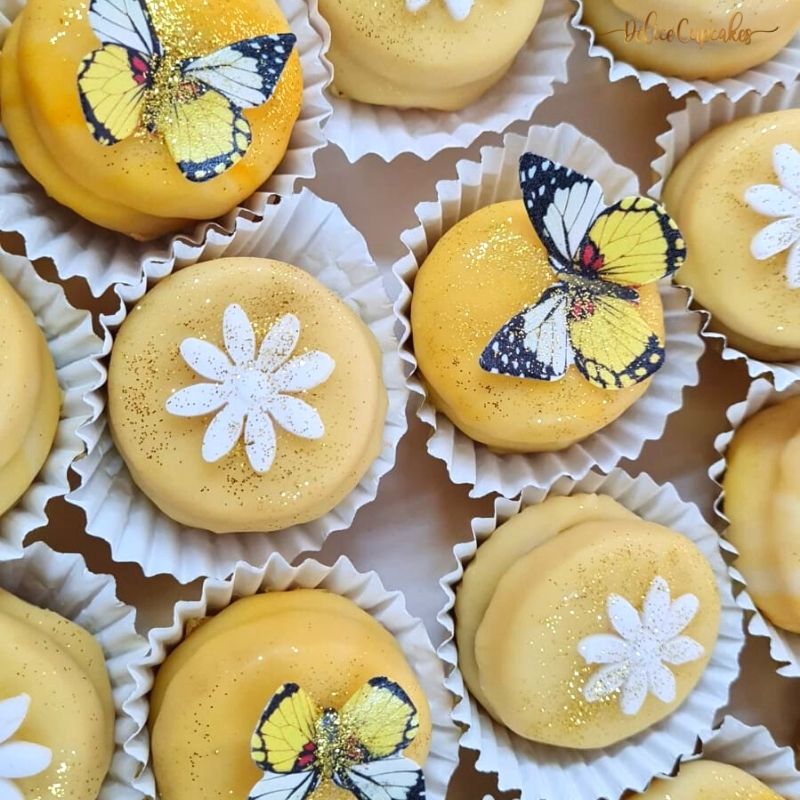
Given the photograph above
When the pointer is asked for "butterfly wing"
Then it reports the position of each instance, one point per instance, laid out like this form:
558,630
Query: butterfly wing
562,205
632,243
394,778
535,343
285,786
126,23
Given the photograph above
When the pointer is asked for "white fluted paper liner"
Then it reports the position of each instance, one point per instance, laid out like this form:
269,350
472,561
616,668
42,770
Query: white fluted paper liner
783,69
360,129
543,772
103,257
494,179
784,645
62,583
689,126
312,234
367,592
76,353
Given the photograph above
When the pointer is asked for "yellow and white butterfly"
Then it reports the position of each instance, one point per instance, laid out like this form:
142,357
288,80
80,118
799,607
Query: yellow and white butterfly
590,316
298,745
132,83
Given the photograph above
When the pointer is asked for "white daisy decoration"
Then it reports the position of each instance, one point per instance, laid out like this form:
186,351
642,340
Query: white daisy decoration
783,203
634,660
459,9
18,759
251,392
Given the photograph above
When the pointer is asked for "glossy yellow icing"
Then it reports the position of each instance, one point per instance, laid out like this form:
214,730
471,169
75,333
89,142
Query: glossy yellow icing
482,272
384,54
222,675
750,300
709,780
163,451
663,35
62,668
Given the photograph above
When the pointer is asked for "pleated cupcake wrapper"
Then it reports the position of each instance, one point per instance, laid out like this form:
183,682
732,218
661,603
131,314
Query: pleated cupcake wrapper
688,126
312,234
76,352
62,583
784,646
81,248
543,772
784,69
494,179
367,592
360,129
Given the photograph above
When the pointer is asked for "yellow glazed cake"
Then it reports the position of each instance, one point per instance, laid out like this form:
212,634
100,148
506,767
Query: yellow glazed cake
529,341
245,396
31,399
300,690
56,708
440,54
161,113
736,196
762,502
708,780
691,40
579,624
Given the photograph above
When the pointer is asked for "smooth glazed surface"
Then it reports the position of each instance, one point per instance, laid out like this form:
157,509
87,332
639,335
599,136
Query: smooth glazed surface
384,54
226,670
484,270
309,477
709,780
542,587
133,186
62,669
751,301
713,40
762,501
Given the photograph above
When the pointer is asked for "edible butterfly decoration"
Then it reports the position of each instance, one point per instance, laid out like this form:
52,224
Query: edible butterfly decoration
590,316
299,745
133,84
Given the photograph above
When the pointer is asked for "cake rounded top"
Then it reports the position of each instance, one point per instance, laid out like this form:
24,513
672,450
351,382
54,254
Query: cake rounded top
710,780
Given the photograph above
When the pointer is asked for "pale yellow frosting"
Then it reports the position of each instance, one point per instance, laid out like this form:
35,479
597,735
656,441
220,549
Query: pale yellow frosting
751,301
482,272
664,35
220,678
382,53
709,780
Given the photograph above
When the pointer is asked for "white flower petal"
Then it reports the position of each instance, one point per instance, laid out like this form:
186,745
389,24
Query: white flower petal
240,340
279,343
634,692
23,759
786,160
12,714
624,617
297,417
259,438
415,5
205,359
775,238
603,648
304,372
793,267
681,613
772,201
10,792
655,610
459,9
662,683
605,682
681,650
197,400
223,432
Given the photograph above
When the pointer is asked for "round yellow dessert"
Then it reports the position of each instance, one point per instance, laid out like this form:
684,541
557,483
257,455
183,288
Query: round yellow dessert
482,272
424,55
579,624
751,301
245,396
211,691
709,780
690,40
762,502
31,398
133,146
55,703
